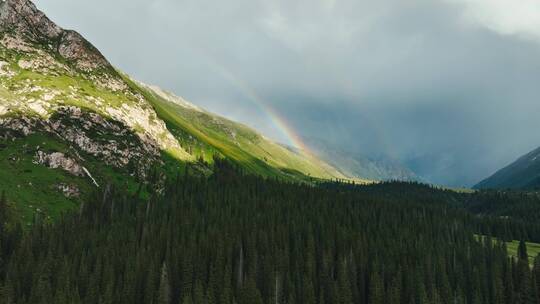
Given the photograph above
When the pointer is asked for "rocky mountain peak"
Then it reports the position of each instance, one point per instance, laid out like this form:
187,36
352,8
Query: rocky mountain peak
24,17
22,23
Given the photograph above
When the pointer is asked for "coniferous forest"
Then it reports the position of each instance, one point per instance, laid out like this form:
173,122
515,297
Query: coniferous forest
236,238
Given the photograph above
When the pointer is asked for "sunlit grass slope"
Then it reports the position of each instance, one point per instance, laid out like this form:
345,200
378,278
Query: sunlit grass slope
533,249
206,135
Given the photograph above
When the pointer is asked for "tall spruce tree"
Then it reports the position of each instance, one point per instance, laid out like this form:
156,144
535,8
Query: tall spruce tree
376,289
164,293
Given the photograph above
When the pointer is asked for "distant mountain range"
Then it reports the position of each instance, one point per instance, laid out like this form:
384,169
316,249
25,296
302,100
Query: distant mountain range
354,164
524,173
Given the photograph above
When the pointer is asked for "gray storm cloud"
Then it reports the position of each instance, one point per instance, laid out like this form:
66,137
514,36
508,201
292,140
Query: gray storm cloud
449,88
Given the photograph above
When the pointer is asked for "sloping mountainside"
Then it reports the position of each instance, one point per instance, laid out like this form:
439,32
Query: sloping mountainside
354,164
70,122
206,135
524,173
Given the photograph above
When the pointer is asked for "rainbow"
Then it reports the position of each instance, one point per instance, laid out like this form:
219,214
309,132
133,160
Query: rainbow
277,120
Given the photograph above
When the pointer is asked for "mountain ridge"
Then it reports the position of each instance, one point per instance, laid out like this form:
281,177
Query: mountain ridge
524,173
70,122
26,19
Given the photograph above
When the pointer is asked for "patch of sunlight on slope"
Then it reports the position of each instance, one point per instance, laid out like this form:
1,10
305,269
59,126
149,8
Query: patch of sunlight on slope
27,91
533,249
234,140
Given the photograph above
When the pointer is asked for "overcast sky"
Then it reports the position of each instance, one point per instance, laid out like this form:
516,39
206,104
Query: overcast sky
449,87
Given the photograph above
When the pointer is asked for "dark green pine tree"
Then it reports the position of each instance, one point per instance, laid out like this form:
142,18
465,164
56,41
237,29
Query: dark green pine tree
3,217
198,293
249,293
522,251
213,289
309,291
2,263
292,299
226,291
443,284
108,285
536,273
526,292
93,289
164,292
42,292
186,293
422,294
498,287
129,285
322,297
76,297
186,299
459,297
334,295
376,289
344,286
393,296
509,286
151,283
7,294
534,297
436,297
477,297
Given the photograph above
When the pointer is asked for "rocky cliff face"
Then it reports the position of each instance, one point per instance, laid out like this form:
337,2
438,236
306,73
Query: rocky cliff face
54,81
90,133
23,17
20,20
57,160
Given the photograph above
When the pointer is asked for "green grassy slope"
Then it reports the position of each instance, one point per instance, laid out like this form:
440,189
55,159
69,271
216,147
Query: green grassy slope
33,188
533,249
206,135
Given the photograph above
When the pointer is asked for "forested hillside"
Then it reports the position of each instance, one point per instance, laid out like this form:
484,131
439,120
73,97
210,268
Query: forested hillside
235,238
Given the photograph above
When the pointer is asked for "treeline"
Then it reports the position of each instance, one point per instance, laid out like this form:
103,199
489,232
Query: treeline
234,238
507,214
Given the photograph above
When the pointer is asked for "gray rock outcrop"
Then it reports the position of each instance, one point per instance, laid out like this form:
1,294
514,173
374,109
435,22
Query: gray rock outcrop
58,160
24,19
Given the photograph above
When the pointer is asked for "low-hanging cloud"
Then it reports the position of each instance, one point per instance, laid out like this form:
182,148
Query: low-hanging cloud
448,87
